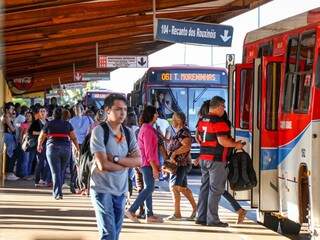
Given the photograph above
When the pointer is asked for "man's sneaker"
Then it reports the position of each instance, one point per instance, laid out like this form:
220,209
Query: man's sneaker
11,177
199,222
58,197
41,183
218,224
241,215
154,219
173,217
132,217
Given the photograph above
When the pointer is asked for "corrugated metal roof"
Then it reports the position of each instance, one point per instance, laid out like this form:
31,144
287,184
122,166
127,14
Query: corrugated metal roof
43,39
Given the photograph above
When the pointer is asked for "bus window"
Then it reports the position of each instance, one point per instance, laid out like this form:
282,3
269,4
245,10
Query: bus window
197,96
272,95
318,71
245,97
304,73
265,50
170,100
290,69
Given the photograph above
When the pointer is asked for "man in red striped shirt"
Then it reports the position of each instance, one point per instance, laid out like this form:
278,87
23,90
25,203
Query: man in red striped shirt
214,143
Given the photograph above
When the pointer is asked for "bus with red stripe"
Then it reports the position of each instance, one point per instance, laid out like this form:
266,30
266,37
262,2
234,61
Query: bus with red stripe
277,113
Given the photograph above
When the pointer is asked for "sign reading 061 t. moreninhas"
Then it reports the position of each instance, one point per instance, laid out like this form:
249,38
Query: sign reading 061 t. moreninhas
193,32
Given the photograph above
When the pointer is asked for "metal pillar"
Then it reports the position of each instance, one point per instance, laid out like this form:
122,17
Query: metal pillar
2,148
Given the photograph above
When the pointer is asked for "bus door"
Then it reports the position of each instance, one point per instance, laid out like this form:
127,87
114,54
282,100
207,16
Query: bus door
256,108
272,68
242,109
315,180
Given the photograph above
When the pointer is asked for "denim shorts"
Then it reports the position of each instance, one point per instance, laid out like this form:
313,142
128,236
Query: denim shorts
180,178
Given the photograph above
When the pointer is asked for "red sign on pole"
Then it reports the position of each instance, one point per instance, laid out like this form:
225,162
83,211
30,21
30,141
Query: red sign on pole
102,61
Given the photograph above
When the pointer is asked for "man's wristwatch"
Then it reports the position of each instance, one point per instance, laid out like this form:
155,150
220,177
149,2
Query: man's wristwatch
115,159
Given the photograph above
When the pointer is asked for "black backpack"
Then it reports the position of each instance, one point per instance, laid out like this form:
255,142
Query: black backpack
86,157
241,172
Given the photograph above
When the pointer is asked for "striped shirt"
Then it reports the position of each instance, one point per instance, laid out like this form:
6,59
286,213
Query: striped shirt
210,127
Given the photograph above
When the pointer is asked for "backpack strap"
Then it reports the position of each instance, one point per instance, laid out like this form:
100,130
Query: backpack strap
106,132
127,135
105,127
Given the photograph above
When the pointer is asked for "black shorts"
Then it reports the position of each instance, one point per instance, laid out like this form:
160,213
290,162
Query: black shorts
180,178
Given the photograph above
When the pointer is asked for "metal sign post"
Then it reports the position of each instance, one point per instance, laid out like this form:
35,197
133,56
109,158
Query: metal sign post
97,54
154,6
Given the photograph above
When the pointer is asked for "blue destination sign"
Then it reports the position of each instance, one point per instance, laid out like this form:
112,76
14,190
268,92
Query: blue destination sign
193,32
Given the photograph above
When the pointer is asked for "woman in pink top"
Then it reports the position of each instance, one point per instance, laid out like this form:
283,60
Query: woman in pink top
28,157
25,126
148,145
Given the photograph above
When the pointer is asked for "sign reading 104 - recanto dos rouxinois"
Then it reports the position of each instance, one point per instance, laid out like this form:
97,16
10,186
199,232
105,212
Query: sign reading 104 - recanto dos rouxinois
193,32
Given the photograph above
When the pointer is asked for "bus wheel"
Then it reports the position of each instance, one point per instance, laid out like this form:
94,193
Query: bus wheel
270,221
289,227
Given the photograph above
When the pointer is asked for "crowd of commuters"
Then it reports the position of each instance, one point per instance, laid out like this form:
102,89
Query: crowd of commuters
37,142
128,149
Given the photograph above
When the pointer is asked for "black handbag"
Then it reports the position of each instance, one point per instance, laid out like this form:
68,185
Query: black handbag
29,142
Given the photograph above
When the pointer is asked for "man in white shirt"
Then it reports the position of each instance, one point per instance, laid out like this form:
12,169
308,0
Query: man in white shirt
19,119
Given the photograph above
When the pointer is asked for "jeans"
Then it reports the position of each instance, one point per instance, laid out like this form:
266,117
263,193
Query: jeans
235,205
40,172
146,193
23,163
213,180
109,210
11,161
161,161
58,157
73,172
31,156
130,180
21,170
25,160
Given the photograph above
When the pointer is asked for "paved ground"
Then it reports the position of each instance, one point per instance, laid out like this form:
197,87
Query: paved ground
31,214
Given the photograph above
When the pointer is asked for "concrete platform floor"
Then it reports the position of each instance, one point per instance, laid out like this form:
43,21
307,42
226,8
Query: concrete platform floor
27,213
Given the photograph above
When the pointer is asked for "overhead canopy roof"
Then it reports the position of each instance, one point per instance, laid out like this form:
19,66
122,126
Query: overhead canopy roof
43,39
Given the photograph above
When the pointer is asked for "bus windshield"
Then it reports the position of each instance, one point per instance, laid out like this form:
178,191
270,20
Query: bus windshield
197,96
186,100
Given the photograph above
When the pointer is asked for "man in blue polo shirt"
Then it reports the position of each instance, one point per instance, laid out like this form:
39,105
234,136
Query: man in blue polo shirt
109,178
80,123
